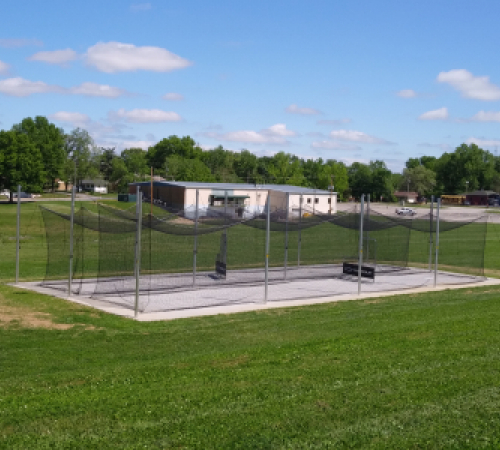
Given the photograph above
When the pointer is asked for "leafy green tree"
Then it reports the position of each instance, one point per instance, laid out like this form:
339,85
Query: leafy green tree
120,176
181,169
419,179
381,180
221,162
105,164
360,179
246,166
284,168
21,163
468,163
184,147
135,160
50,141
79,148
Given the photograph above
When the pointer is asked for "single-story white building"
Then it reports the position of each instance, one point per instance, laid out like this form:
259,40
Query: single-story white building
238,199
96,186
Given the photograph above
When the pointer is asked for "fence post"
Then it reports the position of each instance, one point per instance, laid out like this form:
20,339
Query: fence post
360,254
195,250
431,229
299,234
286,231
268,227
71,225
437,242
138,214
18,231
367,227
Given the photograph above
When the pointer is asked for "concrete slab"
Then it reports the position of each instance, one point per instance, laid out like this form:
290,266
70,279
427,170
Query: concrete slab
229,299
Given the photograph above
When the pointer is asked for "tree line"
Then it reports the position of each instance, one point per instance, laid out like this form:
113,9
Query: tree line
37,154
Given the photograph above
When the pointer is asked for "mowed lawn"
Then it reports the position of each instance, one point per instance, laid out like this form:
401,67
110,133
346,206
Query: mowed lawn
412,371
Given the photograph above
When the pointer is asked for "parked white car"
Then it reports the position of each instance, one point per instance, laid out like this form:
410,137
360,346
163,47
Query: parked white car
404,211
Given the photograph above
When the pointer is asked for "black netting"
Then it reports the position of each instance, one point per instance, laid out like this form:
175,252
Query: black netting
180,250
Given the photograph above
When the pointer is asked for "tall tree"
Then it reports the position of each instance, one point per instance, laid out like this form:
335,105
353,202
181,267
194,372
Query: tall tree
381,180
79,148
419,179
285,169
360,179
135,160
245,166
106,163
468,167
21,163
184,147
50,141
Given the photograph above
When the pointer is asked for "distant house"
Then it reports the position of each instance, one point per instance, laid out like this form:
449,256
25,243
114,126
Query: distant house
409,197
94,186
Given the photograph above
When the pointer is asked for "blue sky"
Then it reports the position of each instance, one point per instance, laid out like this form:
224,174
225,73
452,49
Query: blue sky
347,80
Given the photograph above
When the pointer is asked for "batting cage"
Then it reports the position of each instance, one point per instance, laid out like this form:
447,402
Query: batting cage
160,259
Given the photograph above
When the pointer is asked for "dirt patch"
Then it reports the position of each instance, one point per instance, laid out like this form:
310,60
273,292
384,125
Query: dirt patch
10,315
182,221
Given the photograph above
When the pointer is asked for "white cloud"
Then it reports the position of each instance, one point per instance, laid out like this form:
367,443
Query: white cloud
406,93
140,7
74,118
483,142
136,144
19,87
443,147
275,134
333,121
173,97
145,116
487,116
436,114
13,43
4,68
60,57
294,109
90,89
357,136
111,57
470,86
278,130
66,116
333,145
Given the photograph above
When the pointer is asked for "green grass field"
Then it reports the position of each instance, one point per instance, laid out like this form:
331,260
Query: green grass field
412,371
409,371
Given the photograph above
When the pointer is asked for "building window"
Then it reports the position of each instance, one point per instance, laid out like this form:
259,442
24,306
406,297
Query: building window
329,201
316,200
308,200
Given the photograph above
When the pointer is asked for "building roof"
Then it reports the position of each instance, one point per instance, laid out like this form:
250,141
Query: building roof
405,194
476,193
236,186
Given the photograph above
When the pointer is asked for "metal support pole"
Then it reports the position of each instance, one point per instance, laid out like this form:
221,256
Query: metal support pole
431,229
360,253
18,231
437,242
367,227
268,228
71,223
138,214
286,232
300,234
195,250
